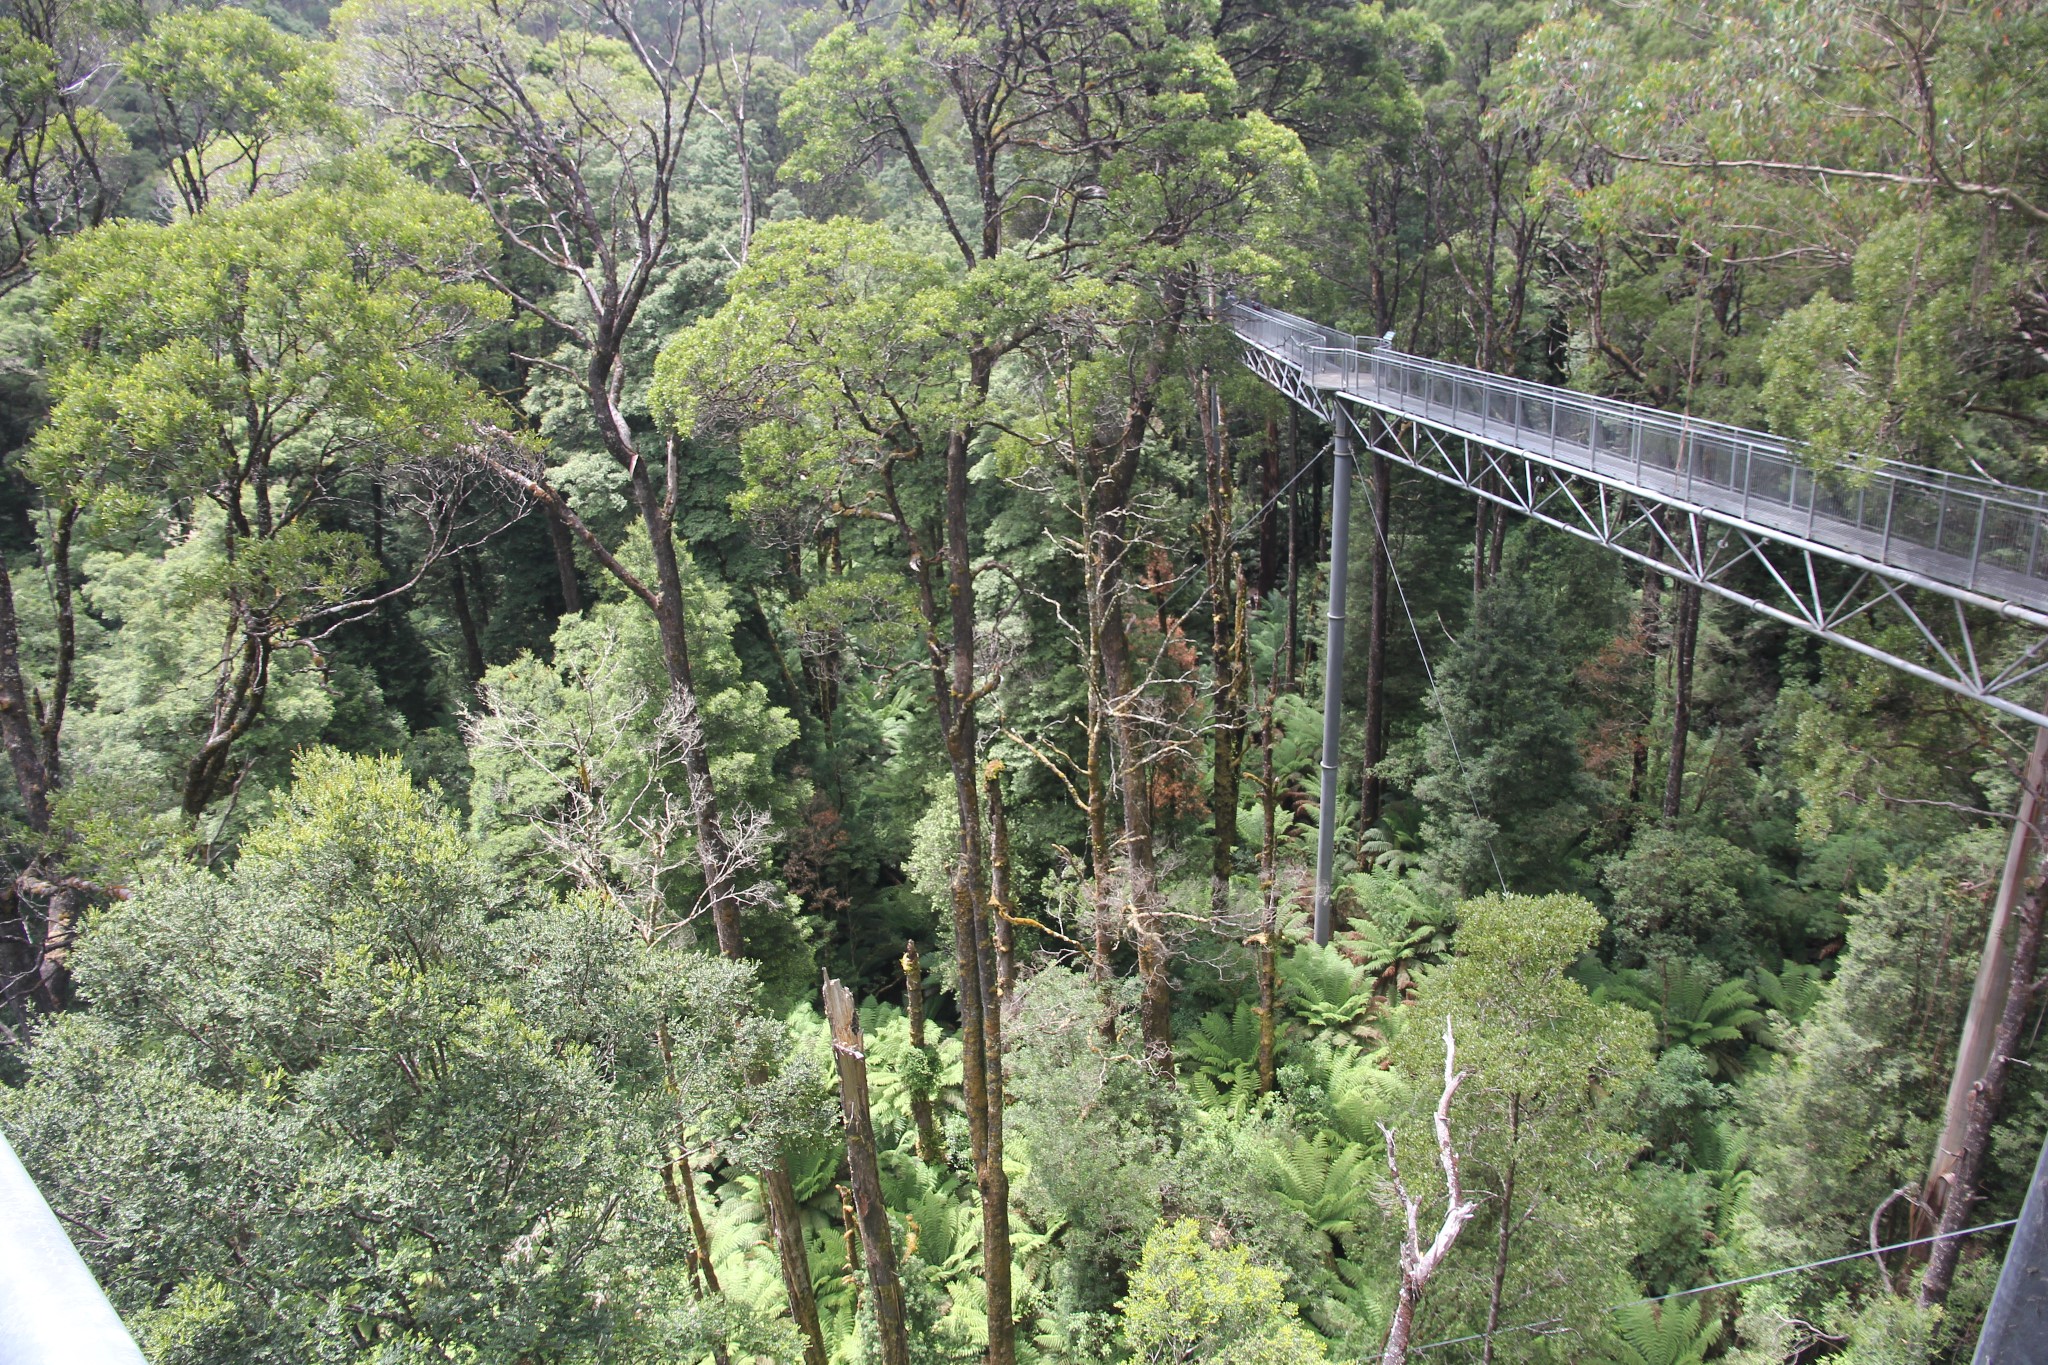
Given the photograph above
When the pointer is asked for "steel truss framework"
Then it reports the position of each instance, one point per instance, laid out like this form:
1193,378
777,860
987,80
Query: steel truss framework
1803,583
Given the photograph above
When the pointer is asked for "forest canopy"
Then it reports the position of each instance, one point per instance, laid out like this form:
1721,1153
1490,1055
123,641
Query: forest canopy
662,683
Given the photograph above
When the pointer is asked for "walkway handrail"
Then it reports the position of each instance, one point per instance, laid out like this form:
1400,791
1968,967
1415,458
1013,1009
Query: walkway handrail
51,1309
1968,532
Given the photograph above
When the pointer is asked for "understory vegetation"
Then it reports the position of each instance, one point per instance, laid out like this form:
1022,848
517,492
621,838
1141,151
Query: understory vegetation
537,534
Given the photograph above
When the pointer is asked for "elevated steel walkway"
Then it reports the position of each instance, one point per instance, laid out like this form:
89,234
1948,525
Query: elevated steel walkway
1941,553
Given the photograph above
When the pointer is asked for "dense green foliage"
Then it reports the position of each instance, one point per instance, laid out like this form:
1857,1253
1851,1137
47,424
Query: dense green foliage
532,531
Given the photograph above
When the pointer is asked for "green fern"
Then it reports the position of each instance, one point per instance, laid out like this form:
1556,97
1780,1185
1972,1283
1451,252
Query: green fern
938,1213
1326,1180
1325,989
1792,992
897,1071
1360,1093
814,1168
1669,1333
1350,1309
1288,829
1225,1053
1691,1010
1382,850
1737,1190
1397,928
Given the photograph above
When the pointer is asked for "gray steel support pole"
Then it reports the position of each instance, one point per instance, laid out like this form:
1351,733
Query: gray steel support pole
1333,670
51,1309
2016,1326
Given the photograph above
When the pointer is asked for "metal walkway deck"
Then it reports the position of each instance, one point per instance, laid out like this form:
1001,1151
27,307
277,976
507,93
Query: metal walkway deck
1938,552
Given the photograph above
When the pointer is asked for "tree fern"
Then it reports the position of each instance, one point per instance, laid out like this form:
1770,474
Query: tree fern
938,1214
1224,1050
1350,1309
1668,1333
896,1070
1325,989
1325,1179
1396,927
1349,1086
1792,992
1382,849
1690,1008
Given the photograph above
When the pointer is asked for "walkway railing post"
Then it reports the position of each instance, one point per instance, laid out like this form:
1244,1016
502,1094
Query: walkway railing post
1333,669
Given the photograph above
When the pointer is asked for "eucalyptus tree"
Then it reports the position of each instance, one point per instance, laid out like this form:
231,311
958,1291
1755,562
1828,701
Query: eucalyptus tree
1860,186
1544,1129
62,170
60,153
227,91
565,122
238,377
336,1101
860,363
840,362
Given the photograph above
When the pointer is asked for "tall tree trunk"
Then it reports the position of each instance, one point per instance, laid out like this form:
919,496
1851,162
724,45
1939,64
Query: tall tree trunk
565,560
18,729
1376,650
1226,646
1994,977
878,1251
785,1225
1496,1289
1965,1187
1001,907
1098,836
1112,469
1648,624
1096,793
1227,779
929,1149
1293,542
1102,878
1685,635
1270,538
1482,523
715,855
714,852
1269,902
1500,537
32,733
700,1235
472,644
956,693
1155,1010
679,1182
